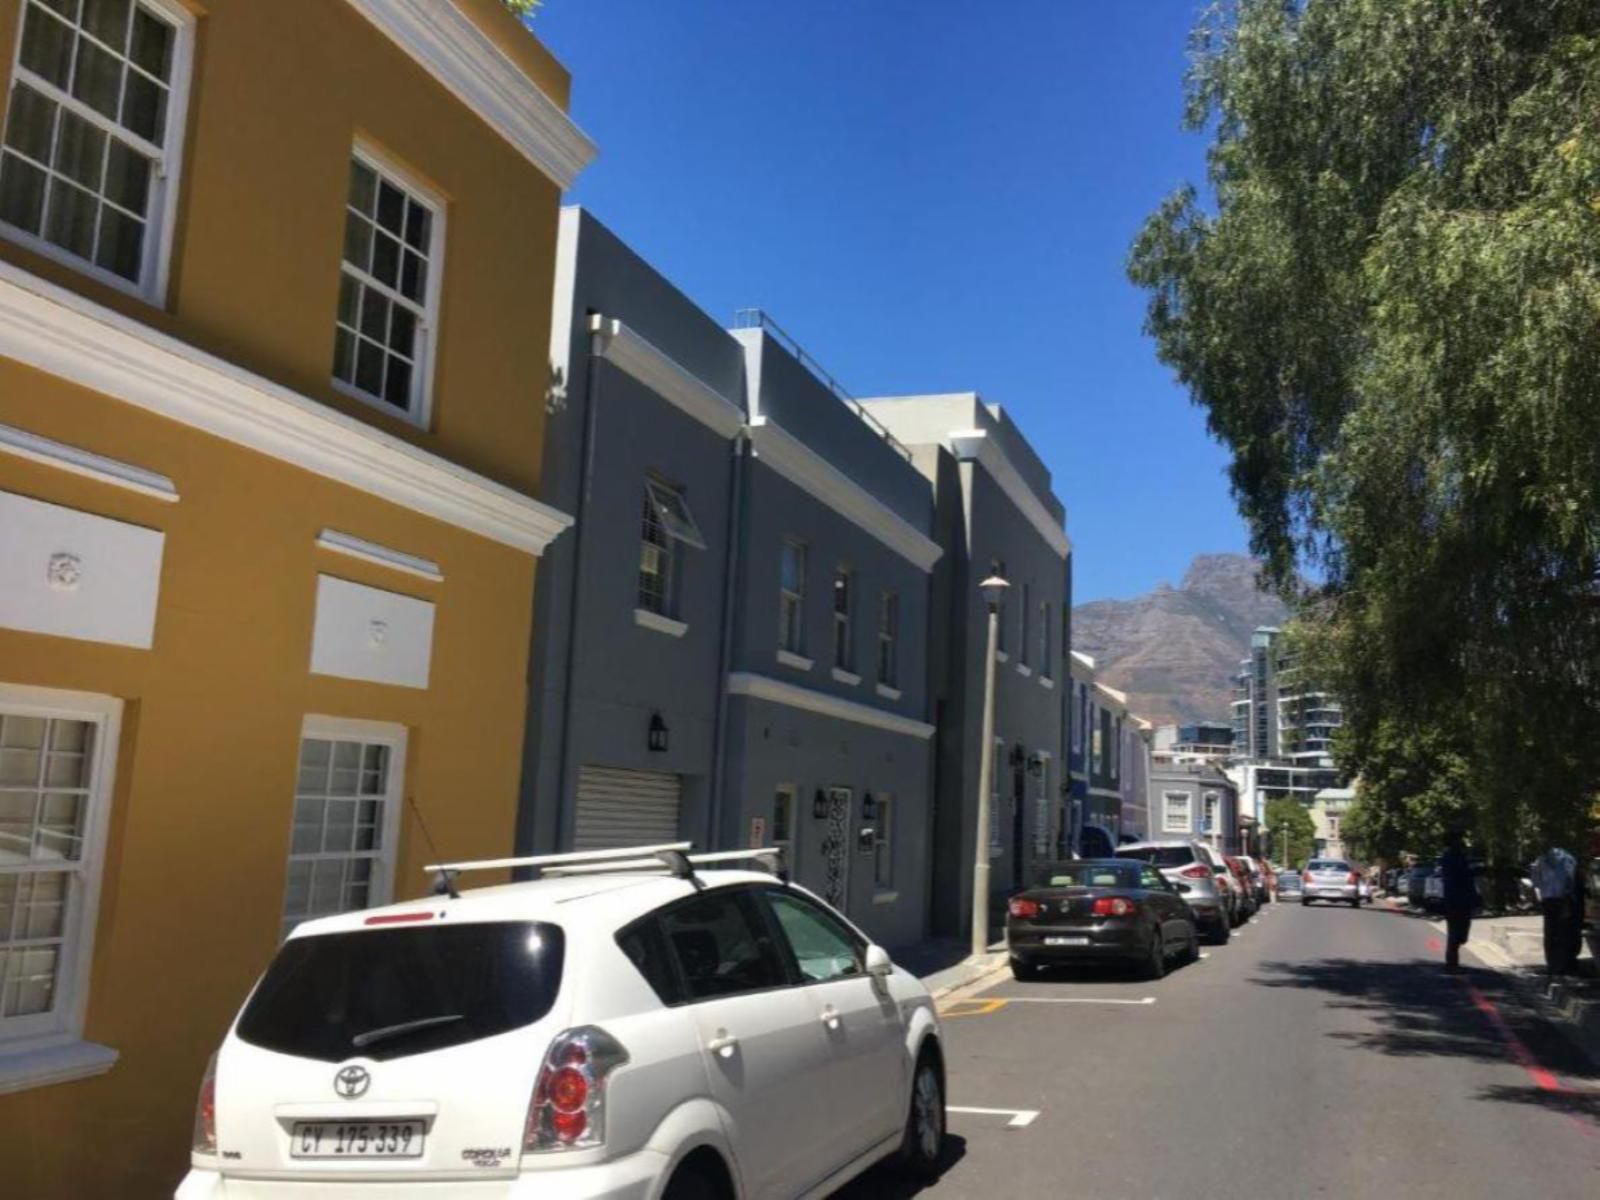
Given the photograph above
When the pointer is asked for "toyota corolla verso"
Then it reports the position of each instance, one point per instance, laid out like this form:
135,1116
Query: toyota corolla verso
645,1032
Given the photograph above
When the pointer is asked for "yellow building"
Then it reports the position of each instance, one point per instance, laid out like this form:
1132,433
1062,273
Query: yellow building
275,280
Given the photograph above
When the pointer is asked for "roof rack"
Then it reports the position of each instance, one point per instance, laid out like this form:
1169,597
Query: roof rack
671,857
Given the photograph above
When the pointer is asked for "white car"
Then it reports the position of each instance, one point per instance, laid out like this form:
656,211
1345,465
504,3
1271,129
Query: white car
631,1030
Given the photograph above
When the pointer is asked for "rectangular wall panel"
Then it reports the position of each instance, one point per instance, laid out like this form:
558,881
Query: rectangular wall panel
367,633
77,575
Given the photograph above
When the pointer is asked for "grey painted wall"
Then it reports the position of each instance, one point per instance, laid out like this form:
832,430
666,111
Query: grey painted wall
1195,785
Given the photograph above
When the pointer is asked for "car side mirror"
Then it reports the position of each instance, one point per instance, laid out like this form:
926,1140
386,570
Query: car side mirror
879,964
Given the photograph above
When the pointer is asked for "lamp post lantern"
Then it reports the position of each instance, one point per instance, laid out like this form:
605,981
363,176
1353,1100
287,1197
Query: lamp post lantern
994,590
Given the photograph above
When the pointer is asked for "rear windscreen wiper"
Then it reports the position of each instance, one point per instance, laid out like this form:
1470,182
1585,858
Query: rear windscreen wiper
388,1031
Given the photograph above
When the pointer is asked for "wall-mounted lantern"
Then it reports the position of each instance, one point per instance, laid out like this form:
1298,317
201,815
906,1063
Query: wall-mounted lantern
869,807
657,738
1036,765
819,805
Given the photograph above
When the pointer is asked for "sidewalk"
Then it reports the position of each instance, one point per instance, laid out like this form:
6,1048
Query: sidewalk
946,964
1514,946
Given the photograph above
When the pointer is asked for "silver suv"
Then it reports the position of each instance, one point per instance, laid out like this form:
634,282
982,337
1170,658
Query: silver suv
1330,879
1192,867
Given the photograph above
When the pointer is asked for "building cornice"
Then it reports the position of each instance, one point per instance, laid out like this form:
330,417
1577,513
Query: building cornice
977,445
812,473
63,334
664,375
746,683
83,462
451,48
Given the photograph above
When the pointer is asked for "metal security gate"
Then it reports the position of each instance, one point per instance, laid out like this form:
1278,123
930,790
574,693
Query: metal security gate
618,807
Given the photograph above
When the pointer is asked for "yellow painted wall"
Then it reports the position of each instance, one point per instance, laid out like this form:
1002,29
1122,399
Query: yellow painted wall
199,834
280,92
200,819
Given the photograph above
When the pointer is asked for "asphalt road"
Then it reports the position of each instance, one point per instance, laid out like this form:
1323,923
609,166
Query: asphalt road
1322,1052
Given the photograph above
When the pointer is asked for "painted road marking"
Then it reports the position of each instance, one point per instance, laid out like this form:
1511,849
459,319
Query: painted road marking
993,1004
1021,1118
971,1008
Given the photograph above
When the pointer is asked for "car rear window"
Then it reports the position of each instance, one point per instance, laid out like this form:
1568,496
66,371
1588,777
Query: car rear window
1087,875
1327,864
1160,856
390,993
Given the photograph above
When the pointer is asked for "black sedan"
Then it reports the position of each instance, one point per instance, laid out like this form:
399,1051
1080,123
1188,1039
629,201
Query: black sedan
1105,908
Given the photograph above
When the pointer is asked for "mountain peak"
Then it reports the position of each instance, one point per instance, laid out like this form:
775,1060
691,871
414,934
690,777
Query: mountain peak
1174,650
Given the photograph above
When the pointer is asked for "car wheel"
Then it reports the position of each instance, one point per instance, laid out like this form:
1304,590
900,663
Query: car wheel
922,1147
1155,965
1022,969
1222,932
1305,904
691,1183
1191,948
1356,902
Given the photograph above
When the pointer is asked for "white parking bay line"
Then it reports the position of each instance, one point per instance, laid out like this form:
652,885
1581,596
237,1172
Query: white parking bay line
1021,1118
1070,1000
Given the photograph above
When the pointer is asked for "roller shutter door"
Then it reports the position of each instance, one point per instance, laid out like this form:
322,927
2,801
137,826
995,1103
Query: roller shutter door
618,807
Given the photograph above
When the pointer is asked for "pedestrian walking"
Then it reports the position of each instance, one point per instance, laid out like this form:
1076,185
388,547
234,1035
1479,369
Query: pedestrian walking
1460,898
1555,878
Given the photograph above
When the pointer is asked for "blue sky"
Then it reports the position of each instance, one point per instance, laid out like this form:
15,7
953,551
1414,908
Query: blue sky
930,197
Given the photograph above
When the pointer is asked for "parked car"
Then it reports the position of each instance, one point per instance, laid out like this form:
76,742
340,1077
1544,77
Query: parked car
644,1032
1104,908
1269,876
1191,867
1417,881
1247,885
1433,890
1289,886
1330,879
1259,878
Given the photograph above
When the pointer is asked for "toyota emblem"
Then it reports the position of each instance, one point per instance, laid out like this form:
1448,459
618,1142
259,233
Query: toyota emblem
351,1082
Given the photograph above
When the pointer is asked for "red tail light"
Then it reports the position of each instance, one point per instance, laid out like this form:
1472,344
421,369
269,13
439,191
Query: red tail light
1305,876
1023,907
205,1111
1114,906
568,1107
1354,878
1195,872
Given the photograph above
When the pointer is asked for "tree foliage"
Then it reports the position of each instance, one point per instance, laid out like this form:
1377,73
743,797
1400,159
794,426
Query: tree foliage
523,8
1288,815
1391,317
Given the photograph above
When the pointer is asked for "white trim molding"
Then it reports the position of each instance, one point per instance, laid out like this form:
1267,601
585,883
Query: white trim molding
1024,669
382,556
646,619
810,472
760,687
977,445
664,375
451,48
887,692
82,462
72,338
61,1061
1046,681
840,675
798,661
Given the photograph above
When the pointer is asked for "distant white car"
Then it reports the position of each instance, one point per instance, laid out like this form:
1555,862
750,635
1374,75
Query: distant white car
640,1030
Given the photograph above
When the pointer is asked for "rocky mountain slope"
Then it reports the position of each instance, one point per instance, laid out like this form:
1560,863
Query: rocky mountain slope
1174,650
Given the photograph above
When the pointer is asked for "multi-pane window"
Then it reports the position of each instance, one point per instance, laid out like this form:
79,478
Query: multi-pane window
92,126
843,603
1175,812
46,768
792,597
665,523
1025,608
1116,748
1044,639
1096,741
1213,803
889,639
782,833
388,289
344,800
883,846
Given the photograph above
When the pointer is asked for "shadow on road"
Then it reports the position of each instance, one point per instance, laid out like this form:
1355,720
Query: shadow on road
883,1183
1418,1011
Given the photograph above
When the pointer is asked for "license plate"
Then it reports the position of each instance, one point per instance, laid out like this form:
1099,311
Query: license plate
1066,941
357,1139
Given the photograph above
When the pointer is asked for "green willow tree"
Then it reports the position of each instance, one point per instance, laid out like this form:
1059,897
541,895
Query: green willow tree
1391,316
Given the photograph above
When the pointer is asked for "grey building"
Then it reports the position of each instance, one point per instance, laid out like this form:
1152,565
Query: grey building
994,512
731,648
1195,800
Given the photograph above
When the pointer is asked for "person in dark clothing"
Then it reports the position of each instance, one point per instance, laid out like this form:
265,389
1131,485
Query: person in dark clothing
1460,898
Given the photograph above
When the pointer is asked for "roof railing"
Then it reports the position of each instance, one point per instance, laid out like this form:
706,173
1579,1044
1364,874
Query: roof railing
669,857
756,318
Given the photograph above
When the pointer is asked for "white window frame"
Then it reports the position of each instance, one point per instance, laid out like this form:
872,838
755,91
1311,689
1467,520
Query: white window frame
1116,750
883,844
792,600
675,532
889,638
61,1029
1168,808
380,888
844,647
166,172
1097,751
420,411
1043,834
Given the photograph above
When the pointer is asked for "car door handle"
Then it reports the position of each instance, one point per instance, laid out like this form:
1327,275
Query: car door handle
830,1017
724,1044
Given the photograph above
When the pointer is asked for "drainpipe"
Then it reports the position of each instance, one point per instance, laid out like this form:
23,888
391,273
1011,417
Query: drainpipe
591,403
730,570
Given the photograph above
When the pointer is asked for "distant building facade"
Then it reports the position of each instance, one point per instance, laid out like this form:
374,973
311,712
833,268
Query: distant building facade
1195,800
